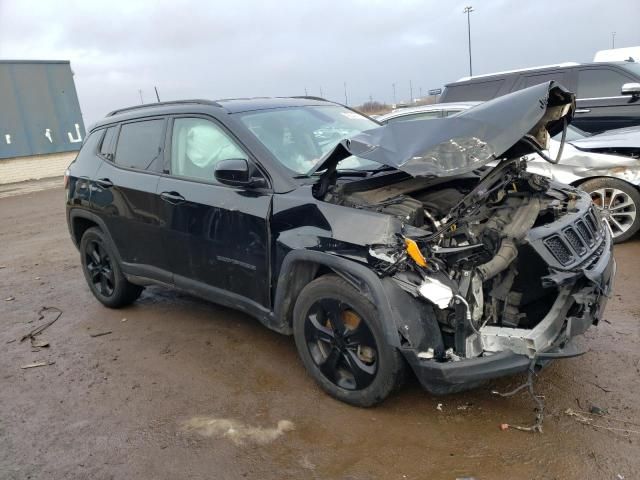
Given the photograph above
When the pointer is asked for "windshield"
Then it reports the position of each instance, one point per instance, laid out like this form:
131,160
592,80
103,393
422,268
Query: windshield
300,136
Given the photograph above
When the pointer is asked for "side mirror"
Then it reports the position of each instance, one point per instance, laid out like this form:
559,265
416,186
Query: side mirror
238,173
631,89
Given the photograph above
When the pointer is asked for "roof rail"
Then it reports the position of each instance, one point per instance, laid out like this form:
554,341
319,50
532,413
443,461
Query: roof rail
310,97
541,67
161,104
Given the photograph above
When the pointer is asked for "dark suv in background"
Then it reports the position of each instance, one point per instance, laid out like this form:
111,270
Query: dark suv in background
377,247
607,94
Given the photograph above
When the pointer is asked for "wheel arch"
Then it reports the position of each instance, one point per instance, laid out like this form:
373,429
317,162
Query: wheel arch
406,321
577,183
81,220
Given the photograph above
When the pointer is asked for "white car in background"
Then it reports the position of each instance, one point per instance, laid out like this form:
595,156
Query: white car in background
607,165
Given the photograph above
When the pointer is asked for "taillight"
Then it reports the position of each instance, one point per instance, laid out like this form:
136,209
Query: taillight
66,179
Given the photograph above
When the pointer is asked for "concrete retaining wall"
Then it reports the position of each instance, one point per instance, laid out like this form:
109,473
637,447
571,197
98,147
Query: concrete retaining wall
35,167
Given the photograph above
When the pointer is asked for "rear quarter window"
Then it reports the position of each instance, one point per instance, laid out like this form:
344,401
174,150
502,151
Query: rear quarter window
140,145
480,91
89,146
108,145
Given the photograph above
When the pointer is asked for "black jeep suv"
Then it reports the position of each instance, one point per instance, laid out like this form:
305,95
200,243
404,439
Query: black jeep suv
378,247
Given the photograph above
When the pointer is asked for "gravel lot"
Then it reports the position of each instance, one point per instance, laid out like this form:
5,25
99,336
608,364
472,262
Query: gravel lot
184,388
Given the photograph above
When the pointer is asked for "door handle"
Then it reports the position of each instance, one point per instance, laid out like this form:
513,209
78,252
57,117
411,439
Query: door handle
104,182
583,110
173,198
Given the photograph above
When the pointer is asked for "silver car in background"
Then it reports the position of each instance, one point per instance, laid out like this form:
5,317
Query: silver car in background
607,165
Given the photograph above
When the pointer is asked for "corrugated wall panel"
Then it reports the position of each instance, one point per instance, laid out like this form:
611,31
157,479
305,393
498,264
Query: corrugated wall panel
39,109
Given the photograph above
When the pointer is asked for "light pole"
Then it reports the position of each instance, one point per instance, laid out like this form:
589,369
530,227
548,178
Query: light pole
394,94
468,11
613,39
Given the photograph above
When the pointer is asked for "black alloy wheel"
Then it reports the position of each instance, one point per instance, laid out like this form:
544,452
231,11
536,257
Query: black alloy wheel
99,268
103,273
341,344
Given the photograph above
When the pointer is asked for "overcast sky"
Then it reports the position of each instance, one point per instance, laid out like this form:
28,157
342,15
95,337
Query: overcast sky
198,49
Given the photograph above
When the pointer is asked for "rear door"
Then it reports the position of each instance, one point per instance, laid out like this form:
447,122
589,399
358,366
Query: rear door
600,106
125,194
216,236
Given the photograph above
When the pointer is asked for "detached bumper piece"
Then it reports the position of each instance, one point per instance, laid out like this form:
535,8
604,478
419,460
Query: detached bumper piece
442,378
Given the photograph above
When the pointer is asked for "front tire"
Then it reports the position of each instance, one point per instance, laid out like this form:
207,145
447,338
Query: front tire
618,202
103,273
339,337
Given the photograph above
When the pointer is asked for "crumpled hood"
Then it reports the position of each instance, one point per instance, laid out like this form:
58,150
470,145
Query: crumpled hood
619,138
457,145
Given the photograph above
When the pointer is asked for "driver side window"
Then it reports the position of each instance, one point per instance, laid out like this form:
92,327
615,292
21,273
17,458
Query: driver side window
197,145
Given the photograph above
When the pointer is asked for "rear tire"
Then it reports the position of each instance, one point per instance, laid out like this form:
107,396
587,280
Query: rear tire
619,202
341,342
103,273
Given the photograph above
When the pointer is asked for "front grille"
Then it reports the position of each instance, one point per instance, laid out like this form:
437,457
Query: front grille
575,241
593,219
559,249
586,233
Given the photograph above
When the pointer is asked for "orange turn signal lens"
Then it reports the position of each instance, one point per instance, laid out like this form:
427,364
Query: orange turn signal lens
414,252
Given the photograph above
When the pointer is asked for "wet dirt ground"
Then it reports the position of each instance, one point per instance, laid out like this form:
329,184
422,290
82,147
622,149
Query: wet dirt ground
182,388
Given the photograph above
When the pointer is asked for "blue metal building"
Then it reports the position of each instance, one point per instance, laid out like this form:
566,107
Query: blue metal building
39,109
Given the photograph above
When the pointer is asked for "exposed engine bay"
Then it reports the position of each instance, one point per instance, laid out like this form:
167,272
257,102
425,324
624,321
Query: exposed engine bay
464,247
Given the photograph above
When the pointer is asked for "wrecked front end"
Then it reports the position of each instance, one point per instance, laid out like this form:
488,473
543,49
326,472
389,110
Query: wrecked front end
509,267
510,279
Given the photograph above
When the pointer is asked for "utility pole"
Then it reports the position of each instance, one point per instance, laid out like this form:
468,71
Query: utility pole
305,92
410,92
613,39
157,96
346,99
394,93
420,93
321,95
468,11
141,100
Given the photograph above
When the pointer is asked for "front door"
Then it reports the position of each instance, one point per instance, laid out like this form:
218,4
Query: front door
216,237
600,105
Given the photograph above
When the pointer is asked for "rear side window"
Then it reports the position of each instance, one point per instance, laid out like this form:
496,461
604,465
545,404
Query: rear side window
108,146
480,91
600,82
140,145
531,80
415,116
